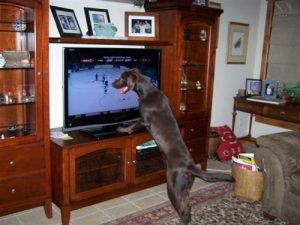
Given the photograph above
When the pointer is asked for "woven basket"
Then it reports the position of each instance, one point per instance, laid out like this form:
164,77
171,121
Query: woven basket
247,184
213,144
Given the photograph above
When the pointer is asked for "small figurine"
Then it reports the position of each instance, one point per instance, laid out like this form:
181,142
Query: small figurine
2,60
182,107
198,85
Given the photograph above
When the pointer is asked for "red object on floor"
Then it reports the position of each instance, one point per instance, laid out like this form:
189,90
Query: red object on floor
229,144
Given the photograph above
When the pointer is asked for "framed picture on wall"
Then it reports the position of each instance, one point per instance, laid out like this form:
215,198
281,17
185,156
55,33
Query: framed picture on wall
140,25
94,18
66,22
253,87
237,43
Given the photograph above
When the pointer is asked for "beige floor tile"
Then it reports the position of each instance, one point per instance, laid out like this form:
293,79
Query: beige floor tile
158,188
9,220
121,210
37,217
149,201
163,194
111,203
83,211
90,219
138,195
215,165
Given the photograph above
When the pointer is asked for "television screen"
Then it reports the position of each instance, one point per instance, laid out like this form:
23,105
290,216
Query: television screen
89,99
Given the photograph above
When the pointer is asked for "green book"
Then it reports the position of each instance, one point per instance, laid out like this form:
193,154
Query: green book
146,144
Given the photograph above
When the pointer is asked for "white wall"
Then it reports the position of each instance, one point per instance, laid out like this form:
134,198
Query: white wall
228,77
116,13
231,77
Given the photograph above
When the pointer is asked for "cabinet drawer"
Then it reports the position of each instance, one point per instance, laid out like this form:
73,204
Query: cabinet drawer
20,189
197,148
15,161
194,129
250,107
285,113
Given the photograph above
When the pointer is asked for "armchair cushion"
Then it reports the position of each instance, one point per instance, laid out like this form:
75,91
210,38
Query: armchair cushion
279,156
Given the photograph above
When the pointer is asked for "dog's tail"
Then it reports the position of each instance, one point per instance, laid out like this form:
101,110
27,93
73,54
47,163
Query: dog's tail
210,176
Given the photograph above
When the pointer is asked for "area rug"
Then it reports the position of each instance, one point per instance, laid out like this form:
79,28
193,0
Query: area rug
214,205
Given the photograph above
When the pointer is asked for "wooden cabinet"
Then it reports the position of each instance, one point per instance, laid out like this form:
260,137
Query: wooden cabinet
86,170
24,144
193,30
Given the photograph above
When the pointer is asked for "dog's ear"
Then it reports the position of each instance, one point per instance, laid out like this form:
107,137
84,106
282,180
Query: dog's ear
132,78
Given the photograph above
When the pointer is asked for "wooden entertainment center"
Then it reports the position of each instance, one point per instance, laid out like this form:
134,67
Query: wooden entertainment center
86,170
187,37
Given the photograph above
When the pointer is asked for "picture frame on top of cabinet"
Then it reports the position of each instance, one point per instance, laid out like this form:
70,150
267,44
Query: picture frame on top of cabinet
140,25
215,5
94,17
237,43
66,22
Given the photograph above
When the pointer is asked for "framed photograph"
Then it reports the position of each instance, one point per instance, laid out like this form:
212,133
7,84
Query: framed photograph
253,87
140,25
66,22
215,5
94,18
270,89
237,43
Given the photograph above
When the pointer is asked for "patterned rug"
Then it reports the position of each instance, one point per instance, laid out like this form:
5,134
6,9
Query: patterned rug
210,206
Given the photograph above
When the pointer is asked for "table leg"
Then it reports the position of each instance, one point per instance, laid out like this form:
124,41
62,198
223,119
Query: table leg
233,120
250,125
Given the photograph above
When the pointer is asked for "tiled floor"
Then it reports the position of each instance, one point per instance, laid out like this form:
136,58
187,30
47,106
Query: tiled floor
105,211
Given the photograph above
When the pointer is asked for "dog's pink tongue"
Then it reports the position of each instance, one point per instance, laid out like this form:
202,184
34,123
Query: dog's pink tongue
123,90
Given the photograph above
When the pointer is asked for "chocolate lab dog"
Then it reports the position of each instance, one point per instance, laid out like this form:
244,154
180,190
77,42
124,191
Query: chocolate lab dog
156,115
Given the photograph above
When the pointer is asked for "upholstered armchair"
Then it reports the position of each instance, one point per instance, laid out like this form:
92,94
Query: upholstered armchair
279,156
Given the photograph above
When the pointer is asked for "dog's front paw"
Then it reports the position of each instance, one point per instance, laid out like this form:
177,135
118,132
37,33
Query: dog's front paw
124,130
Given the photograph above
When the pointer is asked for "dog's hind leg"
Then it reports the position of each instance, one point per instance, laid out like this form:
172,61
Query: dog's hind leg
210,176
178,186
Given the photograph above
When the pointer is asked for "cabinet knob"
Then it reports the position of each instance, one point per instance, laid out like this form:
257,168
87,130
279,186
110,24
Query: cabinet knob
39,73
12,163
192,130
133,161
13,190
190,150
282,112
128,162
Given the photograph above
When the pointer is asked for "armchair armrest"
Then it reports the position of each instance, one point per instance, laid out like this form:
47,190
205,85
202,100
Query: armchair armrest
274,184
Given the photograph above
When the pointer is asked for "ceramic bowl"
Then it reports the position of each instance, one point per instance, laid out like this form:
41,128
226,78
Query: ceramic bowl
19,25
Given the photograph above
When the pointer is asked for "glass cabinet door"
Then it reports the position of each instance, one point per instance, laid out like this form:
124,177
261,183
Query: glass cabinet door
99,168
194,68
20,68
147,162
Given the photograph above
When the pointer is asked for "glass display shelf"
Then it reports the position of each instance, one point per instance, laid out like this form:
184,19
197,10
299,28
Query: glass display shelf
16,103
17,68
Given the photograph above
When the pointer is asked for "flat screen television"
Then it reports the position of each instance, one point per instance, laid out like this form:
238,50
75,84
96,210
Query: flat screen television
90,102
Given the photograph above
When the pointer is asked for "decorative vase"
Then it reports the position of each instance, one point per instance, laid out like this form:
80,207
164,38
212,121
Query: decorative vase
138,3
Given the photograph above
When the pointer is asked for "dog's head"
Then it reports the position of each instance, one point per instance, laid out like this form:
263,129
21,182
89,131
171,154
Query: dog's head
127,81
